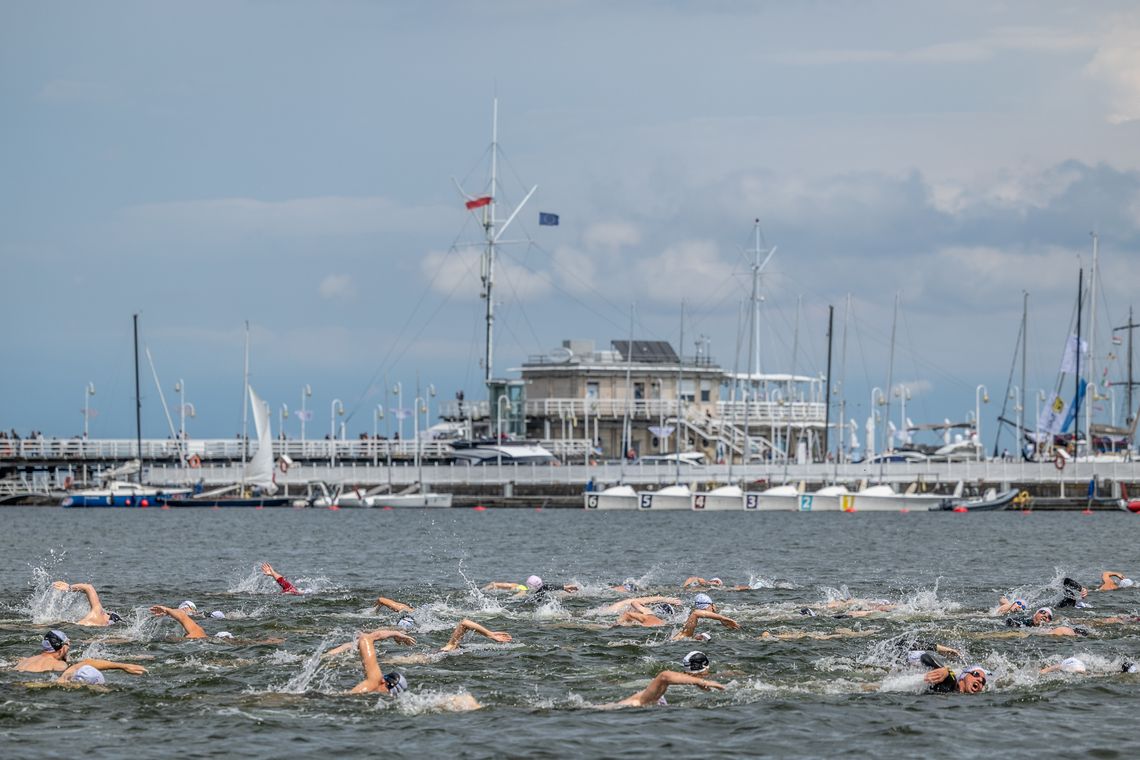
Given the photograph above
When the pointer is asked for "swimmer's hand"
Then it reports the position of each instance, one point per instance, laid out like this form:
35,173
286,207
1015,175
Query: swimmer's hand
500,636
268,570
709,685
936,675
134,670
61,586
571,587
948,651
159,610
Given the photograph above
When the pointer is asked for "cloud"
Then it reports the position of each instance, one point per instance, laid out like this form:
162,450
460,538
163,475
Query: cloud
1116,67
681,271
337,287
611,236
330,216
457,271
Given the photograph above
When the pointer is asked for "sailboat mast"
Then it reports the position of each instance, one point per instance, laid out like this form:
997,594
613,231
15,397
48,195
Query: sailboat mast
843,387
1077,353
245,404
890,379
827,388
1092,346
680,380
488,274
1024,351
138,402
753,346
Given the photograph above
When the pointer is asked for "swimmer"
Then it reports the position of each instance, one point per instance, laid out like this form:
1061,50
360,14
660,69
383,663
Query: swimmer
1074,665
639,614
1006,606
625,604
1073,594
89,672
1042,616
1112,581
628,586
55,646
97,616
694,581
696,662
689,630
943,680
533,585
182,616
466,626
380,634
282,581
375,682
395,606
654,693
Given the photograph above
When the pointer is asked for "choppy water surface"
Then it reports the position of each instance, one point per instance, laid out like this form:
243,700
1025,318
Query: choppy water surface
785,696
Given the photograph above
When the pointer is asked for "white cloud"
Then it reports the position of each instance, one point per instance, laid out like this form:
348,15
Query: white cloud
337,287
681,271
611,236
1116,66
458,272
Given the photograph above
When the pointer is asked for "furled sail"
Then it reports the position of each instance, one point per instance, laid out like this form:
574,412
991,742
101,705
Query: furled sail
259,469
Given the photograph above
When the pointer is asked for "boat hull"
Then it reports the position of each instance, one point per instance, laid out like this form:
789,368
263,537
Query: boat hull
714,502
659,502
410,501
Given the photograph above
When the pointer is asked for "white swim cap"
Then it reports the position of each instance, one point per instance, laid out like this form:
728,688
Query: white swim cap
1126,582
702,601
188,605
1073,665
89,675
223,635
217,614
534,582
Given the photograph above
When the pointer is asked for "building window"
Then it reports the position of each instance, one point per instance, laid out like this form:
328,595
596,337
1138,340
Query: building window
639,391
592,390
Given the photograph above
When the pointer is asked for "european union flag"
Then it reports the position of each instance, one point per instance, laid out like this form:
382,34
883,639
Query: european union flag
550,220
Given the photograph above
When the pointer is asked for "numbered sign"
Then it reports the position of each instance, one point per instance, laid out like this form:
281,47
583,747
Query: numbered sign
847,502
592,501
645,500
751,501
699,501
805,502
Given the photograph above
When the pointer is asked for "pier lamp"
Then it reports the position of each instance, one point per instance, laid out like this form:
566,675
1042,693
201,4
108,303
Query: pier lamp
419,407
902,392
336,408
306,392
284,416
88,392
377,415
398,389
427,405
981,396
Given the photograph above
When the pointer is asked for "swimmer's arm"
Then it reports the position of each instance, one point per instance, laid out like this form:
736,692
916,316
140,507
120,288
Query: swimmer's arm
501,586
373,677
193,630
727,622
659,685
1005,605
571,588
387,633
639,607
470,625
937,675
92,595
694,580
395,606
126,667
948,651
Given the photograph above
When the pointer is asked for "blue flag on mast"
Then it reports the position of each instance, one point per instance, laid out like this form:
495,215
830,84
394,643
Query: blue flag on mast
550,220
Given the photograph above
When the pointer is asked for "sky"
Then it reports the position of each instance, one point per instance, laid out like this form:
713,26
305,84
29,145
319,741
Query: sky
294,165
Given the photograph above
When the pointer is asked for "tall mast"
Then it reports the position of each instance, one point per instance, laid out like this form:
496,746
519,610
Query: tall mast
1092,348
488,273
680,379
1129,413
1024,352
138,401
890,379
754,336
245,404
827,388
1077,353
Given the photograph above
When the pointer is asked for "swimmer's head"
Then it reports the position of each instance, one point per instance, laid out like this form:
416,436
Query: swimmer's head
88,674
664,608
396,683
629,584
1019,604
1080,631
1073,665
54,641
189,606
702,601
661,701
1128,667
534,583
702,636
218,615
114,617
808,611
406,621
223,635
973,679
695,662
1126,582
1043,615
716,582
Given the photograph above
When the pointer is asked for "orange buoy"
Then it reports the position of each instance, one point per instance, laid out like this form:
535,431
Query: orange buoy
479,508
960,509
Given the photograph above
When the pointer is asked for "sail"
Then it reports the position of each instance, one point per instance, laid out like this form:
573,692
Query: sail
259,469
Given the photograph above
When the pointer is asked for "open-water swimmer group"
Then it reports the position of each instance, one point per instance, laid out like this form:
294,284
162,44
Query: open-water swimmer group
796,684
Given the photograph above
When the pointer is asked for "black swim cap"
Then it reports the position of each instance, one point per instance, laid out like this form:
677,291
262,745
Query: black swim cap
664,608
695,662
395,682
115,617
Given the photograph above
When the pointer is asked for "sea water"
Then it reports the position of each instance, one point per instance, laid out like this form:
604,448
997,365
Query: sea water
816,686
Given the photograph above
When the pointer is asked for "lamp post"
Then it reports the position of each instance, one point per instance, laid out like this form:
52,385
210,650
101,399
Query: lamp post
902,393
419,406
398,389
284,416
981,396
876,398
1015,394
1037,421
180,389
499,443
306,392
377,415
336,408
88,392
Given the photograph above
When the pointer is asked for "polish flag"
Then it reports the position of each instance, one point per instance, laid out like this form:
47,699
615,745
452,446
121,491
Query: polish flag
477,202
